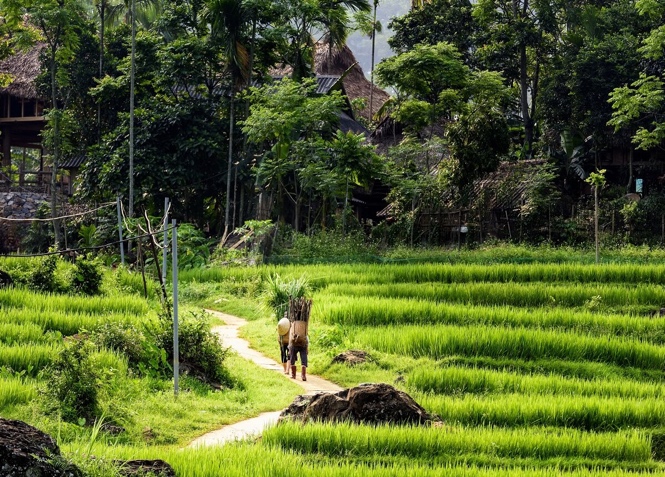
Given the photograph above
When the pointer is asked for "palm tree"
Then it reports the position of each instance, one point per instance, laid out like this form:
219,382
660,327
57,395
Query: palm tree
228,20
335,20
376,28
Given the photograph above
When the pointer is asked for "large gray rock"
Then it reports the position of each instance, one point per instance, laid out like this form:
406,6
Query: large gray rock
367,403
28,452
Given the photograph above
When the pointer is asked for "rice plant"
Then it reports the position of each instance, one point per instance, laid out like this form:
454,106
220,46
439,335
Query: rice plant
38,302
344,439
461,380
371,311
15,390
440,341
13,333
241,460
514,294
66,323
26,358
517,410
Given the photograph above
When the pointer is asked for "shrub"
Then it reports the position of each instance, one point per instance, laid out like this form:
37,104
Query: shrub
43,277
87,278
71,383
123,338
201,352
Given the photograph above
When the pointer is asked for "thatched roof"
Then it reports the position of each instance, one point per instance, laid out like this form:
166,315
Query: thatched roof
356,85
24,67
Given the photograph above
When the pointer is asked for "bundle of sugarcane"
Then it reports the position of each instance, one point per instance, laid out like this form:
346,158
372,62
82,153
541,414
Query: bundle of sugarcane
299,309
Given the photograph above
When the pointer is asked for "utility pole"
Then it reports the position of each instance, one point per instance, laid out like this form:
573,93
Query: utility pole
132,75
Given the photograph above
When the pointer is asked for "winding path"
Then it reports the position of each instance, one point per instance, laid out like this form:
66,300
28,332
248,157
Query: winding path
254,426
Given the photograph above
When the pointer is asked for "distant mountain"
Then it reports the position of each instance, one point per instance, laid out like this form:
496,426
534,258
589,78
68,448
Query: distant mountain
361,45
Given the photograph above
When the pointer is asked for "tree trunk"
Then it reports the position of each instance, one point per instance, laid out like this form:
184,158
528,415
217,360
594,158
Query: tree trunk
524,102
229,168
371,73
595,222
102,18
56,149
630,170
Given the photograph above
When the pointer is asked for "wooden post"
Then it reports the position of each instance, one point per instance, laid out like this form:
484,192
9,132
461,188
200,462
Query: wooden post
510,234
459,229
6,147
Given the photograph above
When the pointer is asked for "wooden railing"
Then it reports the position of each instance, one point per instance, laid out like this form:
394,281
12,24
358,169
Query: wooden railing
34,181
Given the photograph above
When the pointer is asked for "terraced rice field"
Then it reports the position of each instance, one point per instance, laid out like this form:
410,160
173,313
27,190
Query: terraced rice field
536,369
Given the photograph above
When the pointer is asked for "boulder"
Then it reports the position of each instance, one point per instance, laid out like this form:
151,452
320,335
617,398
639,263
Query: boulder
27,451
352,357
367,403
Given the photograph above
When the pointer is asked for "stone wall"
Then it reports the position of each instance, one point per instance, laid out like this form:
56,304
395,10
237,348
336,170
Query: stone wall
17,205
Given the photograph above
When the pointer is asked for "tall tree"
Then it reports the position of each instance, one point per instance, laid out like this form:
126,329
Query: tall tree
516,38
437,91
229,22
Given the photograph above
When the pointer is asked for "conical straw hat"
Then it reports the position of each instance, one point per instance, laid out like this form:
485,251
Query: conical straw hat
283,326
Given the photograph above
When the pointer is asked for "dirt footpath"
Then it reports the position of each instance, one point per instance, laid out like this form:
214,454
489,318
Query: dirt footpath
254,426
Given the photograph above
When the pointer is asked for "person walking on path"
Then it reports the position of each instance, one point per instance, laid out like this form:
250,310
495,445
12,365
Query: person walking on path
298,345
299,309
283,328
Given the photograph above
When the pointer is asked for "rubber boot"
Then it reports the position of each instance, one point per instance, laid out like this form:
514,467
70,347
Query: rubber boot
304,373
293,371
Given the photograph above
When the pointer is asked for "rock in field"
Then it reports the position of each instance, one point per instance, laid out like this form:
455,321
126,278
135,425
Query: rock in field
27,451
368,404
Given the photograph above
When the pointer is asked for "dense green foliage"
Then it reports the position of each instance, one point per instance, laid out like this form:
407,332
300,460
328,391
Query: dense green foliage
477,86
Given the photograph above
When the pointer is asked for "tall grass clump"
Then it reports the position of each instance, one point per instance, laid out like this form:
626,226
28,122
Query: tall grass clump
278,292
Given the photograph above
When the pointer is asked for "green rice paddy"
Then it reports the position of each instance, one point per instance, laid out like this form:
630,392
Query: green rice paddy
534,369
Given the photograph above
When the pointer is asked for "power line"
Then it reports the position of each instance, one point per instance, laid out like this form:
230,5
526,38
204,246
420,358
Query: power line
7,219
82,249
